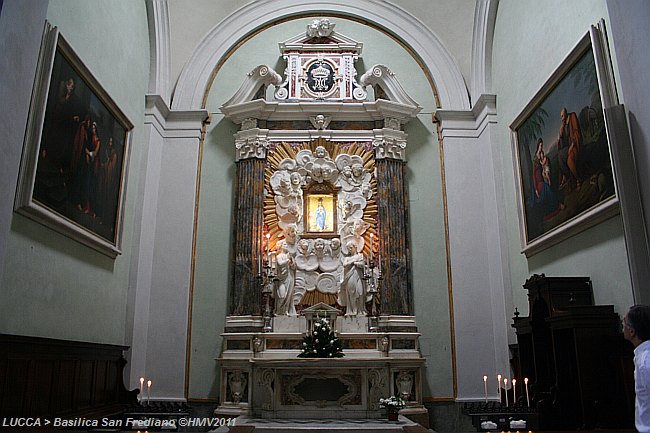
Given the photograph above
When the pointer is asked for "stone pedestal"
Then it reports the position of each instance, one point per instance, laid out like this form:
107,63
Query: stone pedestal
262,376
308,388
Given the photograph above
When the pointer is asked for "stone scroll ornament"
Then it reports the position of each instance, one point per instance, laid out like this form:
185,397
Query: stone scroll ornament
312,270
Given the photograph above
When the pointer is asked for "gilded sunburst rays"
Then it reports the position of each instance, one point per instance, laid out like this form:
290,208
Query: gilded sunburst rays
281,151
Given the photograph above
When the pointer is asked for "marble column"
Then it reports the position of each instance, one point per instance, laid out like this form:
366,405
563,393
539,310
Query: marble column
396,292
245,291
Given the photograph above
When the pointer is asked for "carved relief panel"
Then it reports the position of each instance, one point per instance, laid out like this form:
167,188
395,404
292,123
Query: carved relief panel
320,213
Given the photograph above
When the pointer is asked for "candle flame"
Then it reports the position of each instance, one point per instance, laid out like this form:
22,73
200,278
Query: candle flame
526,380
149,382
484,378
141,380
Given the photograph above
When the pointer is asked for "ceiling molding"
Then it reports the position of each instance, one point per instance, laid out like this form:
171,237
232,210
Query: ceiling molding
485,15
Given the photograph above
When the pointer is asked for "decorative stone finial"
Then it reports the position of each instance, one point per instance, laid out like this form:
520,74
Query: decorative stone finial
319,28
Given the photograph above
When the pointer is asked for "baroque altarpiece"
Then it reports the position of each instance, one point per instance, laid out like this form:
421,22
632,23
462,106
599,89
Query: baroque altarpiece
321,230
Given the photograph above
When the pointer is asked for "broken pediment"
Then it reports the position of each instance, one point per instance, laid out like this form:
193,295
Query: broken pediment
320,79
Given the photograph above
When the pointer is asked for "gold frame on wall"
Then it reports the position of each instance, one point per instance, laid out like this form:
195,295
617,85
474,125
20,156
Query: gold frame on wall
574,190
76,151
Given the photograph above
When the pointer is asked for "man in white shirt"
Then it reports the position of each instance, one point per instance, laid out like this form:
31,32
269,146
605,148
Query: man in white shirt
636,329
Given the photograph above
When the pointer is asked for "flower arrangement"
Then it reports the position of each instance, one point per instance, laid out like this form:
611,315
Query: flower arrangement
322,343
392,404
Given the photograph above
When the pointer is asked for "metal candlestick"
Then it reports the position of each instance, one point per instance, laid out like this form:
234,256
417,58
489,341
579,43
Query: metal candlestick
268,281
372,281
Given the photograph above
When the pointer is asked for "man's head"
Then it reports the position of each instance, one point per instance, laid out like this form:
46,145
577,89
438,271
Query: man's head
563,115
69,85
636,324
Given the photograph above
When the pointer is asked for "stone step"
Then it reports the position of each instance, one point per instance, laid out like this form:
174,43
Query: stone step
257,425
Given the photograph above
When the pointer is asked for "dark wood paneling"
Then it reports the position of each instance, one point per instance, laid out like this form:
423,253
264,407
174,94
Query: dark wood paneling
47,377
573,352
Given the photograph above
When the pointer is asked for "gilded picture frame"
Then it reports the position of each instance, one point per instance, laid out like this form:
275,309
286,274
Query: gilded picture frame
76,148
320,202
561,149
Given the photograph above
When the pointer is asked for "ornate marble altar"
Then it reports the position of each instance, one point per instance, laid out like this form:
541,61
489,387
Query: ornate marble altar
322,228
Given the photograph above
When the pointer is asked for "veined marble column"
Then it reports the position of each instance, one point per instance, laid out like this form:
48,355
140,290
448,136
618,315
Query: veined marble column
396,292
245,291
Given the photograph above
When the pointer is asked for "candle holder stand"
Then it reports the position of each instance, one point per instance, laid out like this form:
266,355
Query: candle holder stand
372,281
269,282
501,415
154,416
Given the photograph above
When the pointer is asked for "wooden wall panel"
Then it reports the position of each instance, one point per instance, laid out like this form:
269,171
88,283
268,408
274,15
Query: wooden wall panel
47,377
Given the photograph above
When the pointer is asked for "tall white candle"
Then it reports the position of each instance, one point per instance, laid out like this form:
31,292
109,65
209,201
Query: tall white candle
372,246
514,391
527,398
148,390
268,237
141,388
499,388
485,386
505,388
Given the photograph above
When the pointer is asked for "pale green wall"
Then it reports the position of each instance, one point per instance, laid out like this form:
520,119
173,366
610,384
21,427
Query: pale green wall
531,39
53,286
211,278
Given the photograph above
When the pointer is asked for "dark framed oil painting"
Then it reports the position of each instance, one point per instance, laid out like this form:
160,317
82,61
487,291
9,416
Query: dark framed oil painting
72,176
561,148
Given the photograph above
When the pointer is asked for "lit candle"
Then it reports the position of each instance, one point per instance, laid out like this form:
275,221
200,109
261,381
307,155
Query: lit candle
148,390
379,264
141,387
514,392
268,236
372,245
485,386
527,398
505,388
499,388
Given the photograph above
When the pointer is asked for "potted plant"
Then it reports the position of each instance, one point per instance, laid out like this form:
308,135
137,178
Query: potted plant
392,405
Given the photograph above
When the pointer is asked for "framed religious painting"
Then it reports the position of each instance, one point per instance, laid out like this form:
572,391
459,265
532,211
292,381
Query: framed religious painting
561,148
320,213
72,176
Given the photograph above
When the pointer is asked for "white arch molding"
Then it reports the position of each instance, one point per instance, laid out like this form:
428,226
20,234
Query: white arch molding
197,74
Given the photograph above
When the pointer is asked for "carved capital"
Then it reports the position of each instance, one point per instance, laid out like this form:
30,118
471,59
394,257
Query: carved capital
251,143
390,147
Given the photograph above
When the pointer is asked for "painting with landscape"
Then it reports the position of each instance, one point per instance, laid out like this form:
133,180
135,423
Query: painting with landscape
562,150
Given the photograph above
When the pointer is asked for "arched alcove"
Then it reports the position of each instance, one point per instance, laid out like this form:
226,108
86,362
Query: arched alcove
437,62
217,180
